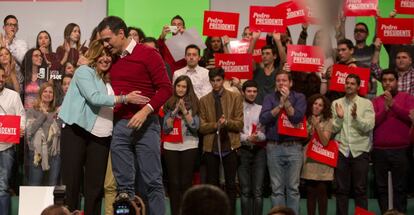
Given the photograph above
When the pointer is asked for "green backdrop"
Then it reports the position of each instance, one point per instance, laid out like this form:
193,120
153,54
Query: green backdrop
152,15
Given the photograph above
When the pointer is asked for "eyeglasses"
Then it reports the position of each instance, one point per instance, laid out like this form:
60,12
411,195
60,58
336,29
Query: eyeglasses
360,31
12,25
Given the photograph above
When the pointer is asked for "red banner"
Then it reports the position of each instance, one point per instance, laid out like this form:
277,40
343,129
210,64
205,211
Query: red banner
241,47
339,74
217,24
324,154
360,7
361,211
176,135
10,129
257,51
304,58
266,19
235,65
285,127
395,30
294,12
404,6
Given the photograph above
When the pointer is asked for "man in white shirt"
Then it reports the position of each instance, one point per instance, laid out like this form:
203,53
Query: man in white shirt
17,47
252,153
197,74
10,104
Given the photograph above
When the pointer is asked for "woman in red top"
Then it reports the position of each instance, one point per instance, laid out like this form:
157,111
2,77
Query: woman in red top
71,48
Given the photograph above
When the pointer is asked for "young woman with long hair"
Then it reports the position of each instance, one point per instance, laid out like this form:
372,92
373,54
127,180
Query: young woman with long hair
181,114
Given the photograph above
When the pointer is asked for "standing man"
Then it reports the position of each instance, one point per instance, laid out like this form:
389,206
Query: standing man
177,26
284,152
10,104
136,134
252,153
353,121
392,141
221,121
197,74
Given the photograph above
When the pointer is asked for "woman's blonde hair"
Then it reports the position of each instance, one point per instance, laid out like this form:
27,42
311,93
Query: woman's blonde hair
95,51
38,102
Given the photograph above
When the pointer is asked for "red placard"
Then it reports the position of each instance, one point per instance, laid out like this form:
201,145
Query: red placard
235,65
339,74
176,135
324,154
10,129
241,47
257,51
266,19
404,6
285,127
395,30
305,58
361,211
220,24
360,7
294,12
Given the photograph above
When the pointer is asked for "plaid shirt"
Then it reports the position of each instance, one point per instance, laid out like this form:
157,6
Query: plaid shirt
405,80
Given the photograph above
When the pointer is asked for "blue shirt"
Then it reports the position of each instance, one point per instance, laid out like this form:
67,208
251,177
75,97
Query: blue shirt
266,118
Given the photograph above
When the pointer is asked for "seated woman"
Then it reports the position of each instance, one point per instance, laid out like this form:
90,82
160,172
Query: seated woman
87,114
43,139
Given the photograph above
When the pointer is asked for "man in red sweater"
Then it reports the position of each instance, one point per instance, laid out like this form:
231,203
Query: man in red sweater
392,141
136,133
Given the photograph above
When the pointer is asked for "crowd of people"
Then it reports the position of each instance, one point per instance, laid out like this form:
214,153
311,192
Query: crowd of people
100,119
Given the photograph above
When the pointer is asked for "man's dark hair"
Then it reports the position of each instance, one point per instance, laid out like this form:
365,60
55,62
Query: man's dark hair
283,72
389,71
249,83
354,76
192,46
178,17
150,40
347,42
10,17
281,210
204,200
269,47
114,23
218,71
140,32
405,49
363,24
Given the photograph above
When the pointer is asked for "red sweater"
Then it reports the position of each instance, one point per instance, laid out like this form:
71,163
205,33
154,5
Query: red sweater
165,53
392,127
142,70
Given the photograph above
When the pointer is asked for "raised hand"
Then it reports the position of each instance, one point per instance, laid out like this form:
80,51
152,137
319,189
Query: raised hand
339,110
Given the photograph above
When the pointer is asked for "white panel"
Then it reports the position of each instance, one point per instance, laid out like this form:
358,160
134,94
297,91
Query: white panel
53,16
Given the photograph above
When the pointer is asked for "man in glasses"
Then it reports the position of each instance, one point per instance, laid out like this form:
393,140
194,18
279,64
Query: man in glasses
16,46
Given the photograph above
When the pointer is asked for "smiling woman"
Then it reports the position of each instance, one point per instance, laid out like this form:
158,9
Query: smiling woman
87,113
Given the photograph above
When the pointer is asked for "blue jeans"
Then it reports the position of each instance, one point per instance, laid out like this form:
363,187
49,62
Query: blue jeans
284,161
252,171
6,164
36,173
143,146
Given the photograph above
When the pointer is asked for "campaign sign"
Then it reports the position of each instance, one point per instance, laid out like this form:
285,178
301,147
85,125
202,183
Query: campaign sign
266,19
305,58
285,127
339,74
324,154
404,6
294,13
395,30
217,24
235,65
9,129
360,7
